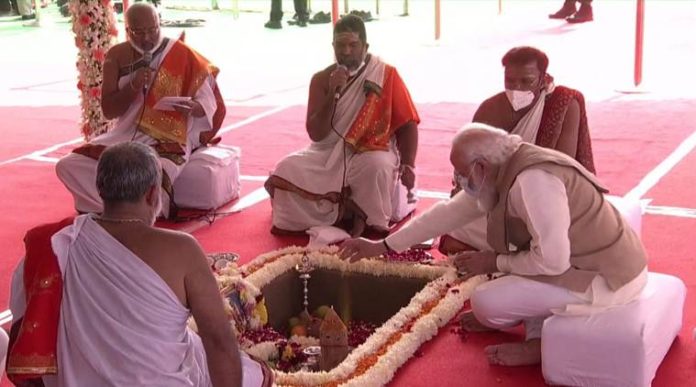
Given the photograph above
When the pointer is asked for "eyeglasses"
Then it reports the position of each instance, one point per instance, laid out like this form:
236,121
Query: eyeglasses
143,31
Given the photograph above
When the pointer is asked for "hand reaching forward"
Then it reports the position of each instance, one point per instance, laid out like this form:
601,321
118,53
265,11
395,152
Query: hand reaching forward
359,248
473,263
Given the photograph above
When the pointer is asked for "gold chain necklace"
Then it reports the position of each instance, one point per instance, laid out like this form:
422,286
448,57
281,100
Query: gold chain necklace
119,220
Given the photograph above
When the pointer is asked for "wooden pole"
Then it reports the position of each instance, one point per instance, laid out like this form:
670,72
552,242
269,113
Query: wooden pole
334,11
437,19
638,63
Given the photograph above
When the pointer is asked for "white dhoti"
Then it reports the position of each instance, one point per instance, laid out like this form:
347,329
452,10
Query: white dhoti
371,177
312,179
79,173
511,300
120,323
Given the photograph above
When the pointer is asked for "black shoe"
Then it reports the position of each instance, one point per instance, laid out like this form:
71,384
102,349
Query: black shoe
320,18
31,16
582,16
567,10
302,23
273,24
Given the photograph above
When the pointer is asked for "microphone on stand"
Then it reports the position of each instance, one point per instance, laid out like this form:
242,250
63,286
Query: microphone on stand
337,94
146,59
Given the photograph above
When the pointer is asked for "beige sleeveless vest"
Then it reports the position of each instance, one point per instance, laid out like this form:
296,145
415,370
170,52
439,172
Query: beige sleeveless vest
601,242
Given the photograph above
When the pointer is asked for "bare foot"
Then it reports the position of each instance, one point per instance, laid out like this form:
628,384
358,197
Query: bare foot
515,354
469,323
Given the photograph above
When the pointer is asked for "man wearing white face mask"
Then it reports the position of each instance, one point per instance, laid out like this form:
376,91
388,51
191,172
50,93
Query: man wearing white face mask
137,74
363,127
566,249
540,113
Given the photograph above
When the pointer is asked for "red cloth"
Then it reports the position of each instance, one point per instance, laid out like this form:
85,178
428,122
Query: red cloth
551,125
33,352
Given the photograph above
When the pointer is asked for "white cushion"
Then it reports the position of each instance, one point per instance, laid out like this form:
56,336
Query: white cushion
631,209
402,205
622,346
209,180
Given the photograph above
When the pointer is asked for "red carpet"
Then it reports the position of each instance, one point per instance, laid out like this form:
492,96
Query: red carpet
630,139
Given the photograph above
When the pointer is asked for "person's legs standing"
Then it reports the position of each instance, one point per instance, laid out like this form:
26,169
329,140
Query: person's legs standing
301,11
567,10
584,14
25,9
276,15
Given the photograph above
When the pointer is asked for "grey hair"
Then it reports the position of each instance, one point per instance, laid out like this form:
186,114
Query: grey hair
481,141
126,171
142,6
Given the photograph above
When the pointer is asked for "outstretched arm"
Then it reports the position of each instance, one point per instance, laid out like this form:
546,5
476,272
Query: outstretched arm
222,354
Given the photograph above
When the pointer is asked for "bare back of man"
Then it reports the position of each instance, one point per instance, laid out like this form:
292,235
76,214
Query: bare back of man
178,259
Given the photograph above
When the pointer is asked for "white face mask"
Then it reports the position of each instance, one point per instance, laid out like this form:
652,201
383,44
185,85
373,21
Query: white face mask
519,99
141,51
463,182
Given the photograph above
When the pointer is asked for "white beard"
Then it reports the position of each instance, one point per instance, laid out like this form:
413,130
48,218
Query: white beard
141,51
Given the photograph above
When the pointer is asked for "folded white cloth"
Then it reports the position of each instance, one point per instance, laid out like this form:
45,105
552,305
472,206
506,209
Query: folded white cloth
325,235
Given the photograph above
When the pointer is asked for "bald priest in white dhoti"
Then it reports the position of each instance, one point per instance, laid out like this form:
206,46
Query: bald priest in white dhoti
565,248
140,75
363,127
119,293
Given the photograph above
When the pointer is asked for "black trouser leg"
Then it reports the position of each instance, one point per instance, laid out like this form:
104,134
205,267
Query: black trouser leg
301,10
276,10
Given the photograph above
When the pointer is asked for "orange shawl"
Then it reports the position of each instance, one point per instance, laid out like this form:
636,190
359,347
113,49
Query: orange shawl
181,74
385,110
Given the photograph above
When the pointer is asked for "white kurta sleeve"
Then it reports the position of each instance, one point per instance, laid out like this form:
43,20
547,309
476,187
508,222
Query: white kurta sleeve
540,200
206,97
439,219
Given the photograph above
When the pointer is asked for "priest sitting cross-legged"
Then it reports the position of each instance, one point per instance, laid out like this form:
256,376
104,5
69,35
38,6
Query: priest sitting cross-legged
138,74
565,248
363,127
103,300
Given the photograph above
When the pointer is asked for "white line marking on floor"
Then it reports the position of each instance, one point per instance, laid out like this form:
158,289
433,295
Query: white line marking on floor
671,211
5,317
253,118
42,152
39,155
652,178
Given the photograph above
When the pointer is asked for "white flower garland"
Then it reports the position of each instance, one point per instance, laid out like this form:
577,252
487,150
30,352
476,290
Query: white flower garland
424,326
94,26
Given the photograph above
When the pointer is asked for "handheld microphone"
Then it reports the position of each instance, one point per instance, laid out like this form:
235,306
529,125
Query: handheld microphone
337,94
146,59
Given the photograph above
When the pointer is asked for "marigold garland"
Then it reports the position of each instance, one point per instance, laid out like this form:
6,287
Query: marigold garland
391,345
95,30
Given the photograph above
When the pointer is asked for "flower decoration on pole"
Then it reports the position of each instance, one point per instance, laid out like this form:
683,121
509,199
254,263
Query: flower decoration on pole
95,30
